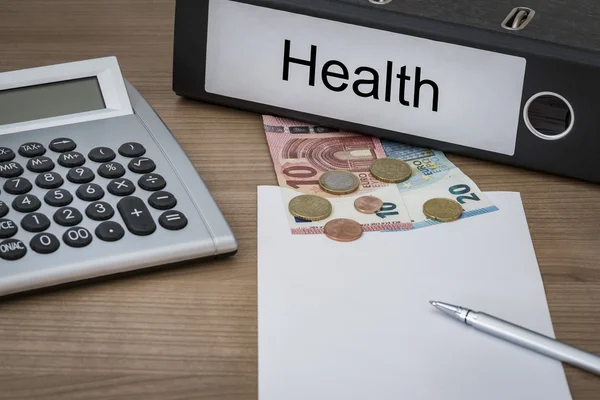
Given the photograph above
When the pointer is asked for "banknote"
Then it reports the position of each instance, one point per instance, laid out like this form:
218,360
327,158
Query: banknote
302,152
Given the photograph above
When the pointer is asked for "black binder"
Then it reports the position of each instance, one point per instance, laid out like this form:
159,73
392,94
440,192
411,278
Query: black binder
489,79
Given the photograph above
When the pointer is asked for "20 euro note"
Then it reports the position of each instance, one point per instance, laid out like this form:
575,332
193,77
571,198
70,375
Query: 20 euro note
302,153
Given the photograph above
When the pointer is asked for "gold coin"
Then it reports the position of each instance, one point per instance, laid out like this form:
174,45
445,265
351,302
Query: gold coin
390,170
339,182
310,207
443,210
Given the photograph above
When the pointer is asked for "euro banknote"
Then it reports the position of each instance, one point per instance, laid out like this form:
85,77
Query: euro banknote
302,152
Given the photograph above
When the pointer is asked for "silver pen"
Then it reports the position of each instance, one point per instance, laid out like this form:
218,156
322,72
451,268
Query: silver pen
523,337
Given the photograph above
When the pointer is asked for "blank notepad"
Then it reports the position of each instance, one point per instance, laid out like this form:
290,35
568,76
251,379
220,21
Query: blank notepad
353,320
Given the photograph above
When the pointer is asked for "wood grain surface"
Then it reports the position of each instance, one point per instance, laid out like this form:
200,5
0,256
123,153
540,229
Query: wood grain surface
191,332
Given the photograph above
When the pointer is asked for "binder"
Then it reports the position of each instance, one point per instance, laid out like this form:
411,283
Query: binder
485,79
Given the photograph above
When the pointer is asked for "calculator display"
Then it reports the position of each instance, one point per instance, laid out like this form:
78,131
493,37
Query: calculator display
50,100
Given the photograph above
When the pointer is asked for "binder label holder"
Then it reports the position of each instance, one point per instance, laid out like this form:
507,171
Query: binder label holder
431,89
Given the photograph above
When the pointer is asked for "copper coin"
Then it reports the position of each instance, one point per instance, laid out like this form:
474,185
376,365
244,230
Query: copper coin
343,230
368,204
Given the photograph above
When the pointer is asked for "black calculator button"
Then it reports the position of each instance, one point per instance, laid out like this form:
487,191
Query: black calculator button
132,149
32,149
100,211
90,192
136,216
35,222
26,203
142,165
17,186
162,200
44,243
12,249
121,187
62,145
49,180
71,159
10,169
110,231
152,182
111,170
101,154
58,198
80,175
77,237
67,216
40,164
173,220
6,154
3,209
8,228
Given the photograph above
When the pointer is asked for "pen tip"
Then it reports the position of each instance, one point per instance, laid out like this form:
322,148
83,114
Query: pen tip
433,303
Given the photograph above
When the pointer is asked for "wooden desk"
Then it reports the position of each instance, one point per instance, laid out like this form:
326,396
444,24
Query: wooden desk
191,333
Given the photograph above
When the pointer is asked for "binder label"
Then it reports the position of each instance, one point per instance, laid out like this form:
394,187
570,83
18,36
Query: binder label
437,90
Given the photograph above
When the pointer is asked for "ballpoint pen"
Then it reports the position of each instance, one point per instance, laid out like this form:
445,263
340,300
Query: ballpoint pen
523,337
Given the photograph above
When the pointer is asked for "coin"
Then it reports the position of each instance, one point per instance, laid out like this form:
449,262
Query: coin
390,170
443,210
339,182
368,204
343,230
310,207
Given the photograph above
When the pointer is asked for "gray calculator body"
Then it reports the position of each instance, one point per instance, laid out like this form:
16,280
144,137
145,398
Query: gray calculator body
206,233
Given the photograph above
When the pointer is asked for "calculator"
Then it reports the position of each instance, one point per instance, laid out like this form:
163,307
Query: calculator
92,182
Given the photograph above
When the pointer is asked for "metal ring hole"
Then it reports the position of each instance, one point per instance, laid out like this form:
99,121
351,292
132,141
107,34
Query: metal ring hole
549,116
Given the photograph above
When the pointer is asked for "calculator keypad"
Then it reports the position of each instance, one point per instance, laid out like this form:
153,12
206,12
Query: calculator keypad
111,170
152,182
162,200
132,149
80,175
8,228
44,243
40,164
62,145
89,184
100,211
12,249
3,209
77,237
10,169
35,222
6,154
68,216
32,149
173,220
141,165
17,186
136,216
58,198
110,231
101,154
121,187
71,159
26,203
49,180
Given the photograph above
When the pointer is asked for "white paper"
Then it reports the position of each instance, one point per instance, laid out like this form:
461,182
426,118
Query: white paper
353,320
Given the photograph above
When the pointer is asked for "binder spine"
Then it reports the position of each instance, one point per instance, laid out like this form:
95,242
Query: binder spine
534,104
